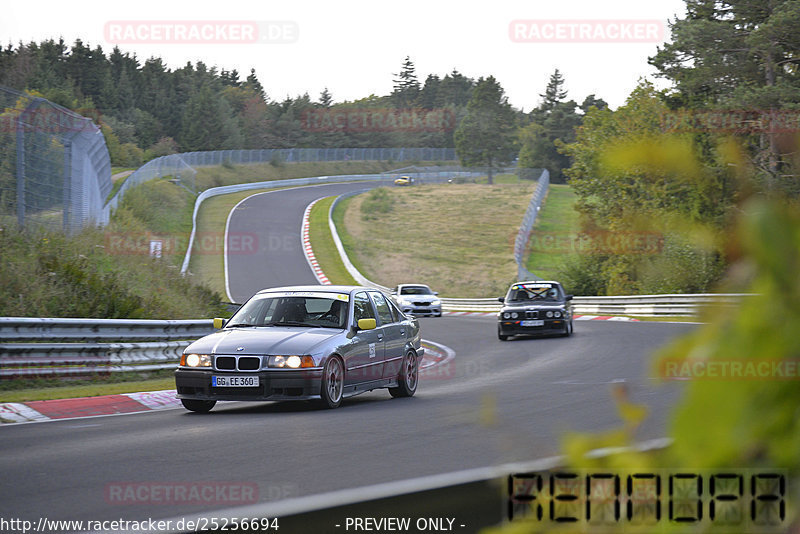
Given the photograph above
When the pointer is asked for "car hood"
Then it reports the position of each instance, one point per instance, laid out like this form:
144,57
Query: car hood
533,305
263,340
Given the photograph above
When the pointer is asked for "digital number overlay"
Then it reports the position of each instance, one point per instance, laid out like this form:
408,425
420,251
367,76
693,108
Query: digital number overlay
744,500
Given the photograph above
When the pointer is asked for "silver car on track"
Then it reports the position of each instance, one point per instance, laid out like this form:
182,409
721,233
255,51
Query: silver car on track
304,342
418,299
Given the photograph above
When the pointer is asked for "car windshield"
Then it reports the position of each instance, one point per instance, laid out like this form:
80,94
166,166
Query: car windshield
416,290
537,292
283,310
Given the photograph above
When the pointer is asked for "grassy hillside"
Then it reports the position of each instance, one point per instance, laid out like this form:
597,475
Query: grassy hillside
108,272
458,238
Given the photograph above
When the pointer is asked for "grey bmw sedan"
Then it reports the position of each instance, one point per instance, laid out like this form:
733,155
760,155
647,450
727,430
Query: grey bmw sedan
303,342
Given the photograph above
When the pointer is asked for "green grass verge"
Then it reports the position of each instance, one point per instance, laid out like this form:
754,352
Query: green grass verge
457,238
556,225
501,179
207,263
348,242
90,389
323,245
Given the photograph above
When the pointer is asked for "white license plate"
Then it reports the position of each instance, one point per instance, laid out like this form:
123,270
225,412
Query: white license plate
532,323
234,381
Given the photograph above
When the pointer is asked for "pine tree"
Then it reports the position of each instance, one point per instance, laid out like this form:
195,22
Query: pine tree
554,93
406,86
486,134
325,98
253,83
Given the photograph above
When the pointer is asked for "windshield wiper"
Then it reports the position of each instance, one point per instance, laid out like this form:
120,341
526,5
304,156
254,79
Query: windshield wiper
292,323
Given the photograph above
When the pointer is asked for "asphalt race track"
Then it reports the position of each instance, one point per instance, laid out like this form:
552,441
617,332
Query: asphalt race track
273,220
495,402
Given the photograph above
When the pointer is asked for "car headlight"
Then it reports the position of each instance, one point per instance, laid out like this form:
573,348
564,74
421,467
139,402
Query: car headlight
195,360
291,361
557,314
549,314
514,315
506,315
435,302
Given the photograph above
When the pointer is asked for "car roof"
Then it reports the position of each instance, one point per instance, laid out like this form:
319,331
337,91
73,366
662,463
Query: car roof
423,285
536,282
316,289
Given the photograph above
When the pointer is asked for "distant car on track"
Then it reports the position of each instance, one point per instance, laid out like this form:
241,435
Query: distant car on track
404,180
418,299
303,342
532,308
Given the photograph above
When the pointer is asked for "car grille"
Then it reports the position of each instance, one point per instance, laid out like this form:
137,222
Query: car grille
240,363
422,304
532,314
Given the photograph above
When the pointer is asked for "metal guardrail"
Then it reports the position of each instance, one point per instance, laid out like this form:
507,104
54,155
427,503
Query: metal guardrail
70,347
66,347
96,330
635,305
524,233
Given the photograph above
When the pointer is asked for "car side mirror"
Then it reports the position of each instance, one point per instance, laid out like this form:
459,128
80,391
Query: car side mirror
568,297
367,324
219,322
501,299
436,293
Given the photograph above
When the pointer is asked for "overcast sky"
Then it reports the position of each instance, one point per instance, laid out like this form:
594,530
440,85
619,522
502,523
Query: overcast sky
355,47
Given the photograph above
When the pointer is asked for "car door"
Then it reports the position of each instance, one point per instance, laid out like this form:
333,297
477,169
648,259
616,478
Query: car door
365,361
394,335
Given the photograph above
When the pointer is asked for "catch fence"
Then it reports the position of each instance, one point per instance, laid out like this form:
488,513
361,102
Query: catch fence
55,171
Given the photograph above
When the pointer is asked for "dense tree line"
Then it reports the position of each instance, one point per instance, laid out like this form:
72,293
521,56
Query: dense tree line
148,109
683,162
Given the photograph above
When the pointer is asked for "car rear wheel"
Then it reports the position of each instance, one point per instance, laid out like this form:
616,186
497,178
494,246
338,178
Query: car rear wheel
332,383
199,406
409,377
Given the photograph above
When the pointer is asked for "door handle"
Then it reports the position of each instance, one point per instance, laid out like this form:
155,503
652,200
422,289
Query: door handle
402,332
380,337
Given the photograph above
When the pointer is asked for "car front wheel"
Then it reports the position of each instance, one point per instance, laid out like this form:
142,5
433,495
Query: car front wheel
409,377
500,335
568,329
199,406
332,383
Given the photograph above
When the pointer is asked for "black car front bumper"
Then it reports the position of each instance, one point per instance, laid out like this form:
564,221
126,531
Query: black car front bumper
515,328
273,385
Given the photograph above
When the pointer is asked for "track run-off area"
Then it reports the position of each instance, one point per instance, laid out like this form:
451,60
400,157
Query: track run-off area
489,403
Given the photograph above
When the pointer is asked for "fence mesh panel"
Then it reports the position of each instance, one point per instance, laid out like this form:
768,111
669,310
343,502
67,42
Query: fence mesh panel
55,171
